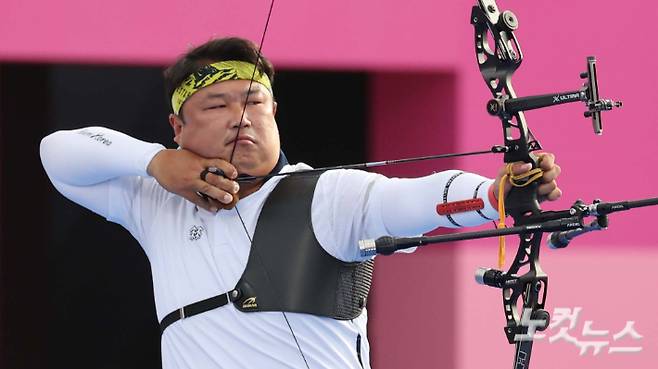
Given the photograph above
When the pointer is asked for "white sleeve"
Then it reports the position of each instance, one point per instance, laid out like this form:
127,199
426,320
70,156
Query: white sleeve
350,205
104,171
409,205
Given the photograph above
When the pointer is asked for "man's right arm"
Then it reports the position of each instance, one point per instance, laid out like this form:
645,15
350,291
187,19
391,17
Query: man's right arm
82,163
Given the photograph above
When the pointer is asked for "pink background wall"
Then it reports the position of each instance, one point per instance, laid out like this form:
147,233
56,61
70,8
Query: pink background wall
427,97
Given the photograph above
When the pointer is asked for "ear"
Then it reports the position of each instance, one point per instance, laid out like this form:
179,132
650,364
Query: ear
177,125
274,105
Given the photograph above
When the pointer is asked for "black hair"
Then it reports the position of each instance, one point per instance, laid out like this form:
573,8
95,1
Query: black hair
215,50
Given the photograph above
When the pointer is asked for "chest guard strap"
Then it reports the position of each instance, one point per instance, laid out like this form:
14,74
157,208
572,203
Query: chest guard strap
290,271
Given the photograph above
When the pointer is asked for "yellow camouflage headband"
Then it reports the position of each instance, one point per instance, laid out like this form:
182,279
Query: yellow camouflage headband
216,72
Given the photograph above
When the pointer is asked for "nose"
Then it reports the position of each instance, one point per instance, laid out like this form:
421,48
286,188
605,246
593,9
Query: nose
240,118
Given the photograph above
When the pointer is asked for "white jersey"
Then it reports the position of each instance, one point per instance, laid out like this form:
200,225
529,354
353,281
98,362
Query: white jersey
195,254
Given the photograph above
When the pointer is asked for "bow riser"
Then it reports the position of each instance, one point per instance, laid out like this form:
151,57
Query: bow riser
497,66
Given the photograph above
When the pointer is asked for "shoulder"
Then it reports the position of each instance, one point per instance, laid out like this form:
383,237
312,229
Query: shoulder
345,190
348,177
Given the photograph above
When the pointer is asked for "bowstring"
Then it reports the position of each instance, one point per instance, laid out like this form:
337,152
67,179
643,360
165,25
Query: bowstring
235,142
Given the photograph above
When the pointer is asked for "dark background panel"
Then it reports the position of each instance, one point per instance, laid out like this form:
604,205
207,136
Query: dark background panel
75,290
23,202
322,116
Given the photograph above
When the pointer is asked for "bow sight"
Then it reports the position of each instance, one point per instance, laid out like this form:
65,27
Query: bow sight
505,107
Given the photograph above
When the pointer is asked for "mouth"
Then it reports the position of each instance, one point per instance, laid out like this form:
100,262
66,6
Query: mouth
242,139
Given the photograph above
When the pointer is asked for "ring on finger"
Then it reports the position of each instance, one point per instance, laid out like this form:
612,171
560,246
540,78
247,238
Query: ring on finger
213,170
203,195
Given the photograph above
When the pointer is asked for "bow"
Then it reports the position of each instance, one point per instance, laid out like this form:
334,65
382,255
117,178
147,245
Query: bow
497,64
524,285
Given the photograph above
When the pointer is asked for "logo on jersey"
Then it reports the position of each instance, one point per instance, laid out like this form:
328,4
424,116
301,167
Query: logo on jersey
196,232
100,137
249,303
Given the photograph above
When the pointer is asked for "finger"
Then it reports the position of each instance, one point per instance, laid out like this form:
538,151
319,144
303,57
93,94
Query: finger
213,205
546,188
231,205
517,169
546,161
223,183
552,174
554,195
521,168
223,165
204,201
220,195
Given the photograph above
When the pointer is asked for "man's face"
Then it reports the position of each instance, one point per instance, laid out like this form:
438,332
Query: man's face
212,117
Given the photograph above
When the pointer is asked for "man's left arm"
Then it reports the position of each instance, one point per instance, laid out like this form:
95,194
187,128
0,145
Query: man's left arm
350,205
353,205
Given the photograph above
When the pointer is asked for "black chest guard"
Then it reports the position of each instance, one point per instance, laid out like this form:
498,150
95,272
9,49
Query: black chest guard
289,271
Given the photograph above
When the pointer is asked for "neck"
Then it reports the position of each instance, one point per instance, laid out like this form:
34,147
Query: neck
247,188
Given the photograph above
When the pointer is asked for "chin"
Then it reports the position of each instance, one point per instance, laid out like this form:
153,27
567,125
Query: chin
252,169
251,172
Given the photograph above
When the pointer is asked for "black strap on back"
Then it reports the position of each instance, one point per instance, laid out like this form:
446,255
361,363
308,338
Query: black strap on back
198,308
